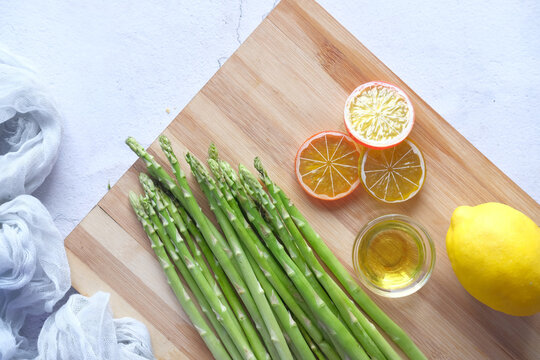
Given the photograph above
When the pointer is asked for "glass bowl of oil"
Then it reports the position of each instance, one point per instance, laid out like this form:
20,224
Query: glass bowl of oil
393,255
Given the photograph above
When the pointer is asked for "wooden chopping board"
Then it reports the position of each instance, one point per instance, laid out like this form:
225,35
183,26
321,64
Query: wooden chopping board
288,80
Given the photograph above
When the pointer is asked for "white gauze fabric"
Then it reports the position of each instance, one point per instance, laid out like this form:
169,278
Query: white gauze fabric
84,329
34,272
29,130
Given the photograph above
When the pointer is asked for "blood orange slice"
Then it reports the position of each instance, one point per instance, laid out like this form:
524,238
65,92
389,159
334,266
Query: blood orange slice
379,115
327,165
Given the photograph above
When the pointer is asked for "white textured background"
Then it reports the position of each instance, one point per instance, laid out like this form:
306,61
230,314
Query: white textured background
115,66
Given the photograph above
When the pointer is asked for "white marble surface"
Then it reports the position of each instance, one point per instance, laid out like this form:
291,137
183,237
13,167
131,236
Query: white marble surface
114,67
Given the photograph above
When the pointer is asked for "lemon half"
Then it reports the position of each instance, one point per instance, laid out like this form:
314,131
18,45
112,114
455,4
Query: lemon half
378,115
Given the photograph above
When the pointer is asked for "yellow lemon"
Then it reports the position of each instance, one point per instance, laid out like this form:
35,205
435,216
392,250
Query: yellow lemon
495,253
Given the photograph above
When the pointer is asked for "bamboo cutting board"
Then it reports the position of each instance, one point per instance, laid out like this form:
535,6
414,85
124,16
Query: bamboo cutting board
289,80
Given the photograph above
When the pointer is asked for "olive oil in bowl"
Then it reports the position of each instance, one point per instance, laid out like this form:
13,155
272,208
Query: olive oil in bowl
393,255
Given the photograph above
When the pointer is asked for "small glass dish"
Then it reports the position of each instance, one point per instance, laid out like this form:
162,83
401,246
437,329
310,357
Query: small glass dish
393,255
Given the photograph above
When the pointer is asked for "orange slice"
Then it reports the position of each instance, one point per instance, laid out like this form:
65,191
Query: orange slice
393,175
378,115
327,165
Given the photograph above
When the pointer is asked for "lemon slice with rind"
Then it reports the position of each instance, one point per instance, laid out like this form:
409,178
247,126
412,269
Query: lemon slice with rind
327,165
393,175
379,115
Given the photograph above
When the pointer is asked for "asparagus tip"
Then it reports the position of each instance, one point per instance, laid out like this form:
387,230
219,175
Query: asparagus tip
165,144
135,202
245,173
144,177
162,196
258,165
134,145
213,152
216,169
146,205
242,168
228,173
147,183
196,164
134,199
190,158
225,166
164,141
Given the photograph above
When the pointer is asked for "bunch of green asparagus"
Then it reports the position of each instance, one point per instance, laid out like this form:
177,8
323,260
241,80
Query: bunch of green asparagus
261,291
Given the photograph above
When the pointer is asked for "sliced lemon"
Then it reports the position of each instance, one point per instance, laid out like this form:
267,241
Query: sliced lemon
327,165
393,175
379,115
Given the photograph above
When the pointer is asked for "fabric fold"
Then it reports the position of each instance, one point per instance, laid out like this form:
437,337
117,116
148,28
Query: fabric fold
33,267
34,272
85,327
30,129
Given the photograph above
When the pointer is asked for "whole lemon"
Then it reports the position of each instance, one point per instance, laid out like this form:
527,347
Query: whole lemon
495,253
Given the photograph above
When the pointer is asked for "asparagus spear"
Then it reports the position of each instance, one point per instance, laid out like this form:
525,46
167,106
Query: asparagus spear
221,207
219,246
254,286
190,270
261,199
295,338
212,342
180,225
258,250
312,345
185,225
339,333
355,320
264,230
206,307
211,235
263,330
238,191
360,297
271,269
